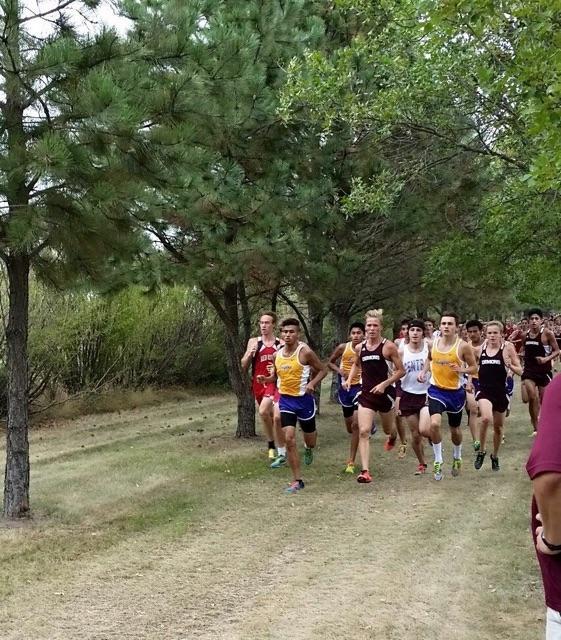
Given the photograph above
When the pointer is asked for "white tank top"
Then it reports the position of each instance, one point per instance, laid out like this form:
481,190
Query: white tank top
413,364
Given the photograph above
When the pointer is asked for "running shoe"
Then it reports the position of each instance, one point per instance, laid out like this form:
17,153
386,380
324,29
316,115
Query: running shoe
402,450
272,454
495,463
437,468
480,458
350,468
364,477
294,487
476,446
308,455
389,444
279,461
421,469
456,466
373,429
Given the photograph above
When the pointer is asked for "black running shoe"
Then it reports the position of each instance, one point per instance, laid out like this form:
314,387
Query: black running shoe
495,463
479,458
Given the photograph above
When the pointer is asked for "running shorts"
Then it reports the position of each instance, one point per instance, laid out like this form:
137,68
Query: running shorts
540,379
349,399
300,409
450,401
261,391
410,404
499,400
382,402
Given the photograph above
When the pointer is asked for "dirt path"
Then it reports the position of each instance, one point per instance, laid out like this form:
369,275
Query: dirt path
404,558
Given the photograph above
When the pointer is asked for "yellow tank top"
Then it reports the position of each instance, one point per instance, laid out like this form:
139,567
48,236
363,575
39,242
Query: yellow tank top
292,374
442,375
347,360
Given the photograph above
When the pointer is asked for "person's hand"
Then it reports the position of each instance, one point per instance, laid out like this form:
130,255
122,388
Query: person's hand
260,379
310,388
457,368
379,388
422,377
540,546
541,360
346,384
469,387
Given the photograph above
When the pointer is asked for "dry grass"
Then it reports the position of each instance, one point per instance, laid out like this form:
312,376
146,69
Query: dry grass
157,524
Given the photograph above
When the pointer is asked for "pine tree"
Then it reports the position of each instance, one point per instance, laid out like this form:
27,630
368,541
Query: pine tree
79,140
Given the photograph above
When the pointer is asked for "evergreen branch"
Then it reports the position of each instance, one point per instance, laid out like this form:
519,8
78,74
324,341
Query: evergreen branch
34,16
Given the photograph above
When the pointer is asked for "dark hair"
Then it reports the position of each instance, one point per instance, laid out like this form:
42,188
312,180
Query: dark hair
536,311
474,323
271,314
430,320
416,323
290,322
357,325
451,314
405,321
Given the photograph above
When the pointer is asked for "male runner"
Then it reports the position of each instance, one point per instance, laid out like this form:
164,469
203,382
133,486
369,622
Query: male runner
378,393
540,348
261,353
429,328
496,358
413,397
293,366
475,339
345,354
446,395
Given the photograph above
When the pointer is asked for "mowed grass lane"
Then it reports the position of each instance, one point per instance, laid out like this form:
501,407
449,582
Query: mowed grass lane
157,523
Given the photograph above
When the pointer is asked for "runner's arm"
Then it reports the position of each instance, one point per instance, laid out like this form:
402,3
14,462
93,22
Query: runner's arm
271,377
249,353
391,353
309,357
552,342
547,490
512,359
336,355
426,368
466,354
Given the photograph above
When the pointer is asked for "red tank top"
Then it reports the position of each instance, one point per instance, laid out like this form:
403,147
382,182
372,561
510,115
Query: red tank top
264,356
374,366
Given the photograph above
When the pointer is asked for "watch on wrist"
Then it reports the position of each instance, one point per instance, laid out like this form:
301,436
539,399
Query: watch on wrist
551,547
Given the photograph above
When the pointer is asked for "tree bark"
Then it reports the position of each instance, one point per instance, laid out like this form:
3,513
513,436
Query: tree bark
225,303
16,477
342,321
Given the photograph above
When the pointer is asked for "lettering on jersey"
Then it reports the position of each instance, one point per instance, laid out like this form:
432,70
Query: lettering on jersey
491,361
444,363
367,358
268,358
534,343
414,365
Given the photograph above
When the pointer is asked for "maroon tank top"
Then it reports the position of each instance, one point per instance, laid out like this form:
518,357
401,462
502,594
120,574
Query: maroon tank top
374,366
534,347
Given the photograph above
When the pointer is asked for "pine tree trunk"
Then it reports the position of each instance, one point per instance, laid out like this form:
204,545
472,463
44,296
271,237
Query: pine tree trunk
16,478
342,321
226,305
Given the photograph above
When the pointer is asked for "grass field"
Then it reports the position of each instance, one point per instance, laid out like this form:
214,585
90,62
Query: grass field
157,524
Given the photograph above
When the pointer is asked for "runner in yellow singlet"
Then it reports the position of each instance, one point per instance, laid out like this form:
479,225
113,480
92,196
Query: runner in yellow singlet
450,358
345,354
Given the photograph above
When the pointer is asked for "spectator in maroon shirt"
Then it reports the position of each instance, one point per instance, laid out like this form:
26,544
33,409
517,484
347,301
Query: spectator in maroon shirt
544,468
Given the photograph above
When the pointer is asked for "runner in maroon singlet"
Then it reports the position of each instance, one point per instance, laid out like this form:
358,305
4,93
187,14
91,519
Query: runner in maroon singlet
540,349
378,392
261,354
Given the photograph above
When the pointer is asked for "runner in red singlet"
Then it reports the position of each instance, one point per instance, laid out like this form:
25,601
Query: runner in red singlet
261,354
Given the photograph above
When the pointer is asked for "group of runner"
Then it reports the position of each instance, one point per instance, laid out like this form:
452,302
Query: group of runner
411,381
